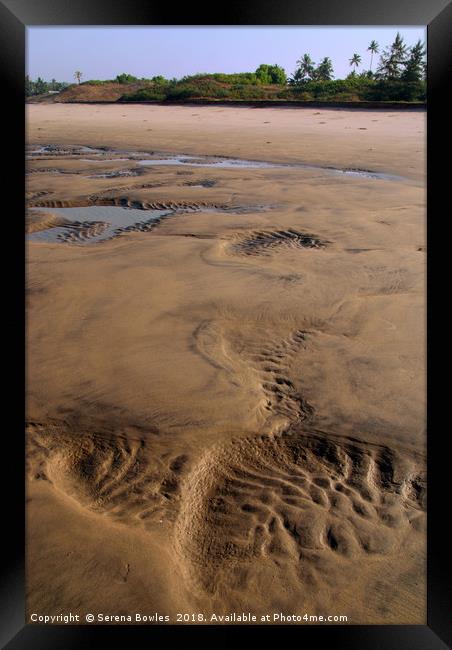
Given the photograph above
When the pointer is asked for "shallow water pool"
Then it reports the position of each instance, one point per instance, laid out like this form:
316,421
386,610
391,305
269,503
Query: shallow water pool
92,224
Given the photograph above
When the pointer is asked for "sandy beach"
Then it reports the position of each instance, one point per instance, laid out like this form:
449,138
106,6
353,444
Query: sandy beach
226,406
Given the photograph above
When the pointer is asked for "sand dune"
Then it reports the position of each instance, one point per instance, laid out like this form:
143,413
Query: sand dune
226,405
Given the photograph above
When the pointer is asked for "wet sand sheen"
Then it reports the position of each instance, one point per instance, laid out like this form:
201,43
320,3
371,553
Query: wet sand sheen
228,412
200,161
95,223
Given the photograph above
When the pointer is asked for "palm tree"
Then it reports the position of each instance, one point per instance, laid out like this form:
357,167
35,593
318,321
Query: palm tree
373,49
355,60
306,66
78,75
324,71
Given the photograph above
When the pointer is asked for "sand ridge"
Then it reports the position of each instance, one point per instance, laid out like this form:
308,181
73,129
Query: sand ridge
304,506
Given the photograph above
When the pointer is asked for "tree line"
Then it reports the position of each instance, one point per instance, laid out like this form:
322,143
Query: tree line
399,76
397,62
40,87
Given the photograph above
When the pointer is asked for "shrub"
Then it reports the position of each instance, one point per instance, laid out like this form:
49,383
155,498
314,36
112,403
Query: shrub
94,82
125,78
158,80
271,74
245,86
397,90
145,94
243,91
182,92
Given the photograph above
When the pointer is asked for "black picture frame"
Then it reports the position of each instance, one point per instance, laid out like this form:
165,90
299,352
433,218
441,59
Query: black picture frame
15,16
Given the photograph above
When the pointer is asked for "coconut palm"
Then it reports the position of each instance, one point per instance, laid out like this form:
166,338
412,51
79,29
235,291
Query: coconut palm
373,49
355,60
324,71
78,75
306,66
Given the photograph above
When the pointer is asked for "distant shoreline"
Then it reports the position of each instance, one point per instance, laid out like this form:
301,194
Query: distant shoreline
264,103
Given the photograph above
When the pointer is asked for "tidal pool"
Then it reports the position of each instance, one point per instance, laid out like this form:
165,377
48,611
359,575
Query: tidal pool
96,223
221,162
236,163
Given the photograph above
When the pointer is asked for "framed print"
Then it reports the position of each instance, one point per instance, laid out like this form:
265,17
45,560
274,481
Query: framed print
229,426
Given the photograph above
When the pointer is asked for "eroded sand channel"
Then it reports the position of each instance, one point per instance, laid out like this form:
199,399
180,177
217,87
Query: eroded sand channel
217,162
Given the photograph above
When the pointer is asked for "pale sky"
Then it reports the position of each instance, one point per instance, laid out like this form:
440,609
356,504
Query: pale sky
103,52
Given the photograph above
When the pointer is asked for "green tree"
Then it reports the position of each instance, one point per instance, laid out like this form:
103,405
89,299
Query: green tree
414,66
373,49
355,61
159,80
40,86
29,86
278,75
324,71
262,74
78,76
392,60
125,78
399,47
304,71
270,74
387,67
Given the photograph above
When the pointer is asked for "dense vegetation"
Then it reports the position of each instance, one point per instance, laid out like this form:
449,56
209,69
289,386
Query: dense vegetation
40,87
399,77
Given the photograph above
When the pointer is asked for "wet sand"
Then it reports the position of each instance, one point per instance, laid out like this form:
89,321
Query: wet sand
227,412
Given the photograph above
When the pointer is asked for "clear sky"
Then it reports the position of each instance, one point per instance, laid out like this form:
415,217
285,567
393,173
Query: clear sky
103,52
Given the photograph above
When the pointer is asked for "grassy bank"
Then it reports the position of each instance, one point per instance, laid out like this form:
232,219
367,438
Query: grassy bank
349,90
244,88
